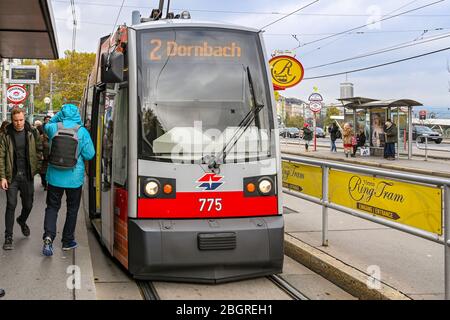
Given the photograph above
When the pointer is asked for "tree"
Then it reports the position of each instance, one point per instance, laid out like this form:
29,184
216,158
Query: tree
294,121
69,78
331,111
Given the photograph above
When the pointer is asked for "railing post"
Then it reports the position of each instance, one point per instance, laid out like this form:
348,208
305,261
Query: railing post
325,171
426,147
446,240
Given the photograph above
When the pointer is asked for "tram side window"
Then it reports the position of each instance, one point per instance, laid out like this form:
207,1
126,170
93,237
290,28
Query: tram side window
120,150
88,111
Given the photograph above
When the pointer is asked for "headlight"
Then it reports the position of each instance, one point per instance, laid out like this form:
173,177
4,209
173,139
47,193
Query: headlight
265,186
151,188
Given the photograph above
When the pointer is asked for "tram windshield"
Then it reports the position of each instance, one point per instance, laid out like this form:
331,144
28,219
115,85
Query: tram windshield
194,92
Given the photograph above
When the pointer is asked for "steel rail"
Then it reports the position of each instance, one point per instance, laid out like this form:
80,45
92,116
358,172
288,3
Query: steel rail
148,290
287,287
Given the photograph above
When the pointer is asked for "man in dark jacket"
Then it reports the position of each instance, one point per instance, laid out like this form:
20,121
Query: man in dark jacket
334,129
20,161
390,130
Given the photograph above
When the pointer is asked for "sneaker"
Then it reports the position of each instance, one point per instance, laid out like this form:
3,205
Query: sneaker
24,227
69,245
8,245
47,250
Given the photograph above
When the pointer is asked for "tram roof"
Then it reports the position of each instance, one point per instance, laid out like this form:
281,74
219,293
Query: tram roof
189,23
27,30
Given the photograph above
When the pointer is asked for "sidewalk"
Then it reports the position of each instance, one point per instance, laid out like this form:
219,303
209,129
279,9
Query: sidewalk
410,267
28,275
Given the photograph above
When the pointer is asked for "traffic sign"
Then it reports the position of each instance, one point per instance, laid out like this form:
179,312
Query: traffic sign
16,94
422,114
315,106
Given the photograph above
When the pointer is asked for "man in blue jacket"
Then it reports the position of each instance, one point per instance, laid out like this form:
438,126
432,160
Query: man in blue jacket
69,181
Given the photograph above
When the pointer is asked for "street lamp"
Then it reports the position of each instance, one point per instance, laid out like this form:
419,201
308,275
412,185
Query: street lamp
47,101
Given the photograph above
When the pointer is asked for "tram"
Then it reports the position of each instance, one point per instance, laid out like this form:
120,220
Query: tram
186,181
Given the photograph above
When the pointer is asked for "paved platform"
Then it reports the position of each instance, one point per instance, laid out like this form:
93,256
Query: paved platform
27,274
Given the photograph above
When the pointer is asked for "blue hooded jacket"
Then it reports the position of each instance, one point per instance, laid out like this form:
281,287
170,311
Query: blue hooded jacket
74,177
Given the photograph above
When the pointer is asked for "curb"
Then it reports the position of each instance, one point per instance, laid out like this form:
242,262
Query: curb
371,164
343,275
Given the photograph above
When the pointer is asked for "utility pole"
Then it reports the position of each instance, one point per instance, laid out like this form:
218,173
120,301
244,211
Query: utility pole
4,80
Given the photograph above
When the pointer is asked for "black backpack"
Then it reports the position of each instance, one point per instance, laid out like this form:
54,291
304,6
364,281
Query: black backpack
64,147
338,134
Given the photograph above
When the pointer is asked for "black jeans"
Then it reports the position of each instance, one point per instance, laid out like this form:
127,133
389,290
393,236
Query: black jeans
54,196
26,188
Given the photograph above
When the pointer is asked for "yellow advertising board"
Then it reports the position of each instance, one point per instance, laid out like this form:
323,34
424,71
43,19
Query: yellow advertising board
415,205
302,178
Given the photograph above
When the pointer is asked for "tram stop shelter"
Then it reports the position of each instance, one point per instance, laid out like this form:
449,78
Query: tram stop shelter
370,115
27,30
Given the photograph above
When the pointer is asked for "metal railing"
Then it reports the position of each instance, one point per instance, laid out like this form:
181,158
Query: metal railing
425,136
374,172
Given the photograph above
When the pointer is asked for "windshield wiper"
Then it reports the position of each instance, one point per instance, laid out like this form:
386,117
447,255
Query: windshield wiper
242,127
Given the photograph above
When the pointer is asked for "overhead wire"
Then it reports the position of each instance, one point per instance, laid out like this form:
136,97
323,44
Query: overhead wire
293,12
371,23
378,65
345,34
251,12
384,50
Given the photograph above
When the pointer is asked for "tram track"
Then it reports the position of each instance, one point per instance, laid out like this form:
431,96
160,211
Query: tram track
287,287
148,290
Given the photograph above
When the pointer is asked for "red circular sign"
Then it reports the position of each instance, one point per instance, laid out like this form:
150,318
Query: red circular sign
16,94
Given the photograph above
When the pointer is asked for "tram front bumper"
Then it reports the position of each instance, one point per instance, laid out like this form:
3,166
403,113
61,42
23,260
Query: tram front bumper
216,250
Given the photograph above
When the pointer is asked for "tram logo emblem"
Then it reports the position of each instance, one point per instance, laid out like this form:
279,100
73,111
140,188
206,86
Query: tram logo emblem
210,181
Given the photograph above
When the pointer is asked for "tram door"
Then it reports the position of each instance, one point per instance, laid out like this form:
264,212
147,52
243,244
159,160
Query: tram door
104,166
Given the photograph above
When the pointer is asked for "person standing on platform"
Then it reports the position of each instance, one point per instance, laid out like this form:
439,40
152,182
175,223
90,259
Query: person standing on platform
347,137
307,135
390,129
334,135
20,161
68,179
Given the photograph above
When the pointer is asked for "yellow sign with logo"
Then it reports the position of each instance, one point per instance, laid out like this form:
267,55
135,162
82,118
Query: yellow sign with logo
415,205
302,178
286,72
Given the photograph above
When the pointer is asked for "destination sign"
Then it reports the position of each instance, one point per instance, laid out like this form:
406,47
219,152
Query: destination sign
160,49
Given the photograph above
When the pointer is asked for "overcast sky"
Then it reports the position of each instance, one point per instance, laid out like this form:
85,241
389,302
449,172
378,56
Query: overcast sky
425,79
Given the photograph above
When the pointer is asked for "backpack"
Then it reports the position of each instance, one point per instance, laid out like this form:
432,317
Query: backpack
338,134
64,147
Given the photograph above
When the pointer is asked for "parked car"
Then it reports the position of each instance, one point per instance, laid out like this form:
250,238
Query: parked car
320,133
418,131
290,132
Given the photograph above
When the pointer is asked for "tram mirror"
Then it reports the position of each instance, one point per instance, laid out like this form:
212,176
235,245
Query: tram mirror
112,68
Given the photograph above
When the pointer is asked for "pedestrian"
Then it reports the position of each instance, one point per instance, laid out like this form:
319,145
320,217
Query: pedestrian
307,135
65,180
348,135
20,161
360,141
334,132
47,119
390,130
2,128
45,154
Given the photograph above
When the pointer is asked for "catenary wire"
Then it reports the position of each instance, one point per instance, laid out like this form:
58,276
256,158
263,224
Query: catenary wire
379,65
